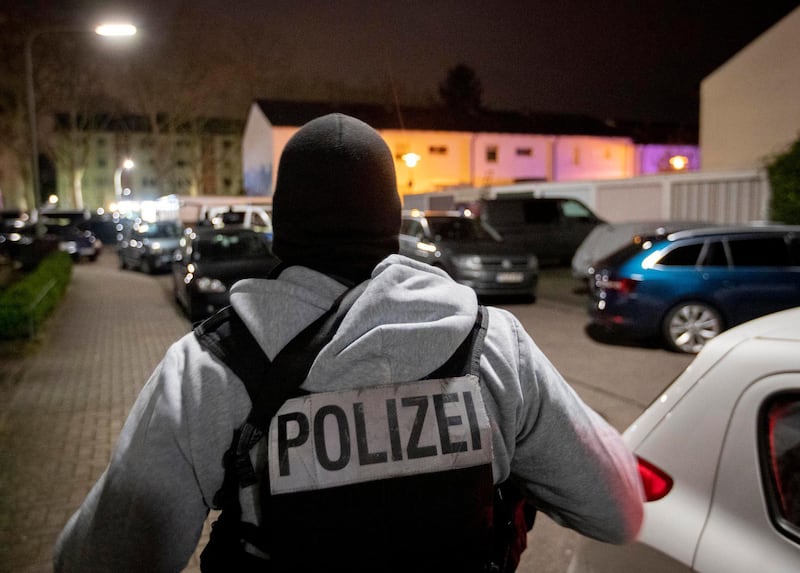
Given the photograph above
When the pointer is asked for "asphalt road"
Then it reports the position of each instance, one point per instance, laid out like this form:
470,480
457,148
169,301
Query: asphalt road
615,377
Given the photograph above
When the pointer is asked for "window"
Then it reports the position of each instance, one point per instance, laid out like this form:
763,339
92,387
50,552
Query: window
759,252
524,152
573,209
491,154
437,150
684,256
780,456
411,227
101,162
715,255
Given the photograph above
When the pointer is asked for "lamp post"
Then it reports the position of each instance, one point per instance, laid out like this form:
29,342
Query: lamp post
410,159
102,30
126,164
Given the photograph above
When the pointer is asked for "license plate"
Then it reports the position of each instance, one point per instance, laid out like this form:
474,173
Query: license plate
509,277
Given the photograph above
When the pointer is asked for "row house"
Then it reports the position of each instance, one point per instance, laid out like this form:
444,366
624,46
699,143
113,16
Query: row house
437,149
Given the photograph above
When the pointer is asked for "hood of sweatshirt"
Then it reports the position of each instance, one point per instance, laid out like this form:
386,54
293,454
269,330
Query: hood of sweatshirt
408,321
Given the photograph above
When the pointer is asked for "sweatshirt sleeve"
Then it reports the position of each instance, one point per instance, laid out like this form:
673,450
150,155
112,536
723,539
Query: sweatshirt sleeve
147,510
575,465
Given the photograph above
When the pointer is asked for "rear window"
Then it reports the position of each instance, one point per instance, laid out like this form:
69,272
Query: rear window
223,246
780,455
458,229
682,256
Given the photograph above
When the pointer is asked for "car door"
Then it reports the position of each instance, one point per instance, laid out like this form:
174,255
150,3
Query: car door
763,279
748,527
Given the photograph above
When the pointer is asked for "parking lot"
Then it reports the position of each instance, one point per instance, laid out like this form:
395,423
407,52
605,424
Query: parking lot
65,395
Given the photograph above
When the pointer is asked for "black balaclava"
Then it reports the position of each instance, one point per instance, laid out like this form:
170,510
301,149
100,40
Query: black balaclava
336,208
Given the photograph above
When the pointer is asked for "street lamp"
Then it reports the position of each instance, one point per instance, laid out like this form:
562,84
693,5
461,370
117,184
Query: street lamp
410,159
102,30
127,164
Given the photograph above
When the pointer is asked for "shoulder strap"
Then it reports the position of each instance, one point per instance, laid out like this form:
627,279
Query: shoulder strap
225,336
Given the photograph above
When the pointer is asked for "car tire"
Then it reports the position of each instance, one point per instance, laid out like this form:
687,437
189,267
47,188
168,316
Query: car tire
689,325
122,264
145,266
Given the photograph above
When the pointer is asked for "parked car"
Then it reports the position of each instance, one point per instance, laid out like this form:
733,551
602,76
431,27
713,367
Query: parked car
208,262
691,285
78,243
606,238
719,456
251,216
470,252
552,228
148,246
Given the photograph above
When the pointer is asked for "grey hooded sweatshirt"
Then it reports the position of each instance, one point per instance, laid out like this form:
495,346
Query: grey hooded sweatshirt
147,510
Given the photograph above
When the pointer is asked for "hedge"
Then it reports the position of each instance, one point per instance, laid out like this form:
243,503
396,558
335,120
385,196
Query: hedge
26,304
784,178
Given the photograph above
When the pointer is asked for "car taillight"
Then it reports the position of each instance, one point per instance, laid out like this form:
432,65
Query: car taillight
656,482
624,286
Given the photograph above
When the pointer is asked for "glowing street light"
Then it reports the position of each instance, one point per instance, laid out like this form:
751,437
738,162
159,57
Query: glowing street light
679,162
109,30
410,159
126,164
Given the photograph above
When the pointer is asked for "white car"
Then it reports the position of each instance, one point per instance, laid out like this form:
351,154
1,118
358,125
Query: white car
719,455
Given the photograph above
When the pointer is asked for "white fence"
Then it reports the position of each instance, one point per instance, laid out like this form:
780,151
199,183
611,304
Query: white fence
729,197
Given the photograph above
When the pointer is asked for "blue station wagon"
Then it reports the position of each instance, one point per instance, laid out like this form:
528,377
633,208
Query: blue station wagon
691,285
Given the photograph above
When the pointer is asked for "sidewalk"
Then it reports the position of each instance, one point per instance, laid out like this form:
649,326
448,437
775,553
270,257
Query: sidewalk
65,395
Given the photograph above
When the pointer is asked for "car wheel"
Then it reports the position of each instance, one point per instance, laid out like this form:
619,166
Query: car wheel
122,264
688,326
146,267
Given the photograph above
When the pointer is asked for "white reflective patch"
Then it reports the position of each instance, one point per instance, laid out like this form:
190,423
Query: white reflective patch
337,438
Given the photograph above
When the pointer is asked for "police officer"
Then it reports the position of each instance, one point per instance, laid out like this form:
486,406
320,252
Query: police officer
365,436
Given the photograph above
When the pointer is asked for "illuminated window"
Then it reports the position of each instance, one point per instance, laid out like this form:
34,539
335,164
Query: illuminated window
491,154
576,155
437,150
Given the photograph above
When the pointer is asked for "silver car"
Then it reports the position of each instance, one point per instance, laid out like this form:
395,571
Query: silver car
719,455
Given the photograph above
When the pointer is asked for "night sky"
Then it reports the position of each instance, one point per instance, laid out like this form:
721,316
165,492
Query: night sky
621,59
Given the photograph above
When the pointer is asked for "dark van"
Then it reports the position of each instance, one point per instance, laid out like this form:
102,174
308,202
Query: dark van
551,228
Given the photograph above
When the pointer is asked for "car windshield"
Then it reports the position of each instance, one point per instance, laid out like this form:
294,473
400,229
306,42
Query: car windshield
458,229
227,246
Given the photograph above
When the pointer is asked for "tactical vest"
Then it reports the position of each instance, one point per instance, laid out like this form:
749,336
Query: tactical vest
389,478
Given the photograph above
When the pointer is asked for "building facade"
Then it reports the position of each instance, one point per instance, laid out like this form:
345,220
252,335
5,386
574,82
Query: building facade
90,166
435,150
750,106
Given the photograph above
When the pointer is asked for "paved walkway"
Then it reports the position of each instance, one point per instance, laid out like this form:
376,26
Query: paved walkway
64,397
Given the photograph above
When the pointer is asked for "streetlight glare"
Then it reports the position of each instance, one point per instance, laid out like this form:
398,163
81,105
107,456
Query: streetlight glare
115,30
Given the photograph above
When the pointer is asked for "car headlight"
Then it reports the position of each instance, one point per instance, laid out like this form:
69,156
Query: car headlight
206,284
155,246
472,262
533,262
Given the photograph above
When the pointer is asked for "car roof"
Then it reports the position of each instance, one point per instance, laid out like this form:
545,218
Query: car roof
205,231
741,230
418,214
